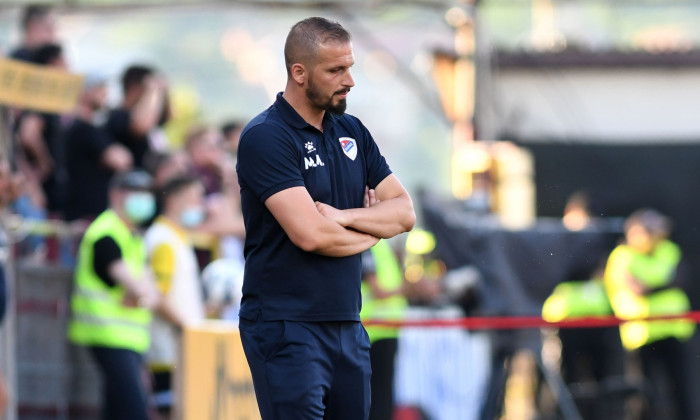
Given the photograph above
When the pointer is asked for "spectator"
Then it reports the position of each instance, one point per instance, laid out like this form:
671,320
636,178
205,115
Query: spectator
92,157
144,108
39,137
164,166
114,295
40,156
642,279
38,28
174,263
224,225
208,159
232,133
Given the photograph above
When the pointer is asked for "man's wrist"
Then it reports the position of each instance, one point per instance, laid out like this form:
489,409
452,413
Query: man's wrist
349,217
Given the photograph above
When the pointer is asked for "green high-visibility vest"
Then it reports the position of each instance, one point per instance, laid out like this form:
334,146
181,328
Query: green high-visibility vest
576,299
99,317
655,270
390,278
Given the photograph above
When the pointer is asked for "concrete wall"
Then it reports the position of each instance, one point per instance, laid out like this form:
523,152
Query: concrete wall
592,104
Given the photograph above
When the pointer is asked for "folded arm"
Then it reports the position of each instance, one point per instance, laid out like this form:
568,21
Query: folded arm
308,229
390,214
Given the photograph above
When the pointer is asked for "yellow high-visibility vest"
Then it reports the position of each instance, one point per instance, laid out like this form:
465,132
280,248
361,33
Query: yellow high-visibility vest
655,270
99,318
390,278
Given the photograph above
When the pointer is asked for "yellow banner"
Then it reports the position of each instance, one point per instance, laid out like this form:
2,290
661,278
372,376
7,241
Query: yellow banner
39,88
216,383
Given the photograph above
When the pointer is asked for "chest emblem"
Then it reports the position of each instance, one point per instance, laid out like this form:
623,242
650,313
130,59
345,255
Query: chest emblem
309,147
349,146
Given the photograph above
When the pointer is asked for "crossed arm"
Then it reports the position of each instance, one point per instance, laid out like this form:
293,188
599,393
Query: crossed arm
325,230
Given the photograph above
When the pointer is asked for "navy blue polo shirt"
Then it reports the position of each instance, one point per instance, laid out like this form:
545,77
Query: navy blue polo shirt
279,150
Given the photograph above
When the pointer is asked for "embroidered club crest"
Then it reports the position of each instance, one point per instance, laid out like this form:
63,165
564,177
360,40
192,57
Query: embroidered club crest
349,147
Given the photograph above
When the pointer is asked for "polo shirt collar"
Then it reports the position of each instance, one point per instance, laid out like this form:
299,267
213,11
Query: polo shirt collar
292,117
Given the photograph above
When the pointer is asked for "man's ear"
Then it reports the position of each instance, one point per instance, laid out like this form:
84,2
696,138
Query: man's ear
299,73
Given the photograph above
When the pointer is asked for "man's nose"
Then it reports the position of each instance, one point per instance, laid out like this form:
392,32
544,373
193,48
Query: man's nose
349,81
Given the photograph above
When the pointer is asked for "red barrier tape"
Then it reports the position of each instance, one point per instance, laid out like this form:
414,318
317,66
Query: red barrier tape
522,322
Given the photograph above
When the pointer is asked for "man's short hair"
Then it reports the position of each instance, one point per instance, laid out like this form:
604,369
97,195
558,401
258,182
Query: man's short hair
175,185
230,126
195,135
305,37
33,13
134,75
655,223
134,179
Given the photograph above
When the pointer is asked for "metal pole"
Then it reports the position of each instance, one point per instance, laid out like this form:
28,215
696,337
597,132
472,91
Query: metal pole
8,334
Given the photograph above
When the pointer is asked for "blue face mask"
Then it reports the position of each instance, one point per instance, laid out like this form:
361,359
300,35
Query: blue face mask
192,217
139,206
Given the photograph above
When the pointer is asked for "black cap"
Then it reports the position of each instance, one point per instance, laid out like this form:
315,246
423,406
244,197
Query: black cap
132,180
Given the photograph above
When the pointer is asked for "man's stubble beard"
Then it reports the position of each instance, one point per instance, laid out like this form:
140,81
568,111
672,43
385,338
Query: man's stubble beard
316,98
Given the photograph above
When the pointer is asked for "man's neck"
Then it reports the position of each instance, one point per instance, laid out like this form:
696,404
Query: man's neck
310,114
85,113
129,224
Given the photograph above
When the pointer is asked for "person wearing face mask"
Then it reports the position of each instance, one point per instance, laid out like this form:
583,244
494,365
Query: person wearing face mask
174,264
114,295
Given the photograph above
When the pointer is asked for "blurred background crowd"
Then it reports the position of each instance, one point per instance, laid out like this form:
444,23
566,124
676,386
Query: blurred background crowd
550,147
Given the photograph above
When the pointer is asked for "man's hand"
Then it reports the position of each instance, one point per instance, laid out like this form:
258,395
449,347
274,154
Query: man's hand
636,286
370,198
333,214
342,217
117,158
141,292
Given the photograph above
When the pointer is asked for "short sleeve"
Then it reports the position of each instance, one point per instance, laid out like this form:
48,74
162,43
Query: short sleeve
377,168
92,140
268,161
105,252
163,266
118,123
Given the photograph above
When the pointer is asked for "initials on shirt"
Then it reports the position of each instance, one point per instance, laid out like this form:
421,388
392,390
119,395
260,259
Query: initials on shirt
310,162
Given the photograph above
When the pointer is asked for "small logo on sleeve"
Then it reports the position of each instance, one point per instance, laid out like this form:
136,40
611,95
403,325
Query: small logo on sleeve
349,146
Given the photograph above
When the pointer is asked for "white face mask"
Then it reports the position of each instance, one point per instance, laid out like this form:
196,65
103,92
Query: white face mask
192,216
139,206
100,117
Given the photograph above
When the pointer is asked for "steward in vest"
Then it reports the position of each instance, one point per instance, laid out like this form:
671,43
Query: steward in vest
641,279
382,298
113,296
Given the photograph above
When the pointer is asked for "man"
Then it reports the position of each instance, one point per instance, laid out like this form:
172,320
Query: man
114,294
92,157
39,28
315,193
144,107
642,279
232,135
174,264
41,158
209,159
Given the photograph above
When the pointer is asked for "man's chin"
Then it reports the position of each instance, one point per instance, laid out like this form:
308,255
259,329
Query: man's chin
338,108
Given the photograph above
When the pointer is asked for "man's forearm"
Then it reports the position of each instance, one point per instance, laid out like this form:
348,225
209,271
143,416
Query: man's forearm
385,219
170,314
346,244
